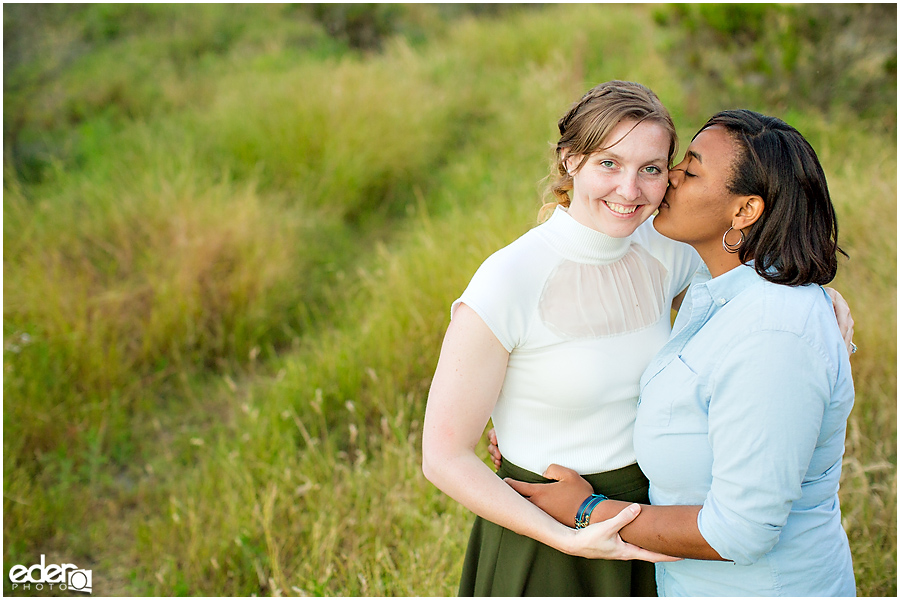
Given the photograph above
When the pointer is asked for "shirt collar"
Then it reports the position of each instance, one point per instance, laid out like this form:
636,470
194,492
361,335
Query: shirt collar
580,243
727,285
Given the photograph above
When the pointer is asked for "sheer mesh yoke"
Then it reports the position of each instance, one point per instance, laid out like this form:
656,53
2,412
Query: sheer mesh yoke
590,301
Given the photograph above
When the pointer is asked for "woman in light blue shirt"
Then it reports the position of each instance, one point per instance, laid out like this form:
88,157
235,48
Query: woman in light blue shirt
743,413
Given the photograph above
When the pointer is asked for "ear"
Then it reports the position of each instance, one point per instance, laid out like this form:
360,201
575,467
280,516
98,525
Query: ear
748,210
568,160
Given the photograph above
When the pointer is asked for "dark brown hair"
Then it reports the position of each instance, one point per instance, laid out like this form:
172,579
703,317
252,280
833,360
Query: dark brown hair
794,242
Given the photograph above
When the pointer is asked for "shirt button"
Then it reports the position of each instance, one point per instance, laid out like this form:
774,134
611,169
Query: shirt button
721,301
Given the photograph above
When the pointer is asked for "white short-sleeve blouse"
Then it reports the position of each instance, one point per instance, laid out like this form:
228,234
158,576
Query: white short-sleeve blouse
581,314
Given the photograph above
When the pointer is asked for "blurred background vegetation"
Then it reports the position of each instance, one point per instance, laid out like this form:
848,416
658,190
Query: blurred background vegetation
232,234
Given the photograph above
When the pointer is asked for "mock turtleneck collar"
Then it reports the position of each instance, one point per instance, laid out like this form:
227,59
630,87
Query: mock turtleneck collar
582,244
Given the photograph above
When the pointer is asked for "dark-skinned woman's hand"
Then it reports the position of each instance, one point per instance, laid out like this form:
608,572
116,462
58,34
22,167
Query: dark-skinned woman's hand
494,449
560,499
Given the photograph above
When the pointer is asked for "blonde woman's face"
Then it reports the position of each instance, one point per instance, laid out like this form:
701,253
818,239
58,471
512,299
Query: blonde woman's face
620,187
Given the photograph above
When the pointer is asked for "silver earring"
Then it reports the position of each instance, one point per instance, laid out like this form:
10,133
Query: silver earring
732,248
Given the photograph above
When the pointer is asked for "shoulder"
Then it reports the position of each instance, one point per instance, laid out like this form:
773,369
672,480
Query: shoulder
804,313
793,308
516,262
505,289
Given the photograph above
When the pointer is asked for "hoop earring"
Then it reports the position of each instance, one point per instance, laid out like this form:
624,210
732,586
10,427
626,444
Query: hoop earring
732,248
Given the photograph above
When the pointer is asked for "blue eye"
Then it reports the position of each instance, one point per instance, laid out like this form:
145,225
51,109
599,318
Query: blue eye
654,170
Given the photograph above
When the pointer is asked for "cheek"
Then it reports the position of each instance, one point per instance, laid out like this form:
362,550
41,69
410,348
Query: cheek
593,185
580,181
654,191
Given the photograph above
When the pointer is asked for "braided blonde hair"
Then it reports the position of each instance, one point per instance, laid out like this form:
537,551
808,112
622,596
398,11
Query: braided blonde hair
584,128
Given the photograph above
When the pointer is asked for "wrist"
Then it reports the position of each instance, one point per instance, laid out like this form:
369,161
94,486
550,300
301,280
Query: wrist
585,511
607,510
568,542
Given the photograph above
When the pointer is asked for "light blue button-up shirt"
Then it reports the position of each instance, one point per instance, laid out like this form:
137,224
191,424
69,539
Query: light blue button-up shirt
744,411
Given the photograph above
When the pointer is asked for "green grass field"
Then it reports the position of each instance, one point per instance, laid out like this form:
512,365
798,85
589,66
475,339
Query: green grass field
232,235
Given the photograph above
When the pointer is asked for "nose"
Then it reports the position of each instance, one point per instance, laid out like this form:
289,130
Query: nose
675,177
628,188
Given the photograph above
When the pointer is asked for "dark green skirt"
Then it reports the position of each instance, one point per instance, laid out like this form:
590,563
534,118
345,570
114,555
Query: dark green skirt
500,562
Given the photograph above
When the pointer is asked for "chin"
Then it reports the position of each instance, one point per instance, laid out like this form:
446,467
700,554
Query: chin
660,220
623,230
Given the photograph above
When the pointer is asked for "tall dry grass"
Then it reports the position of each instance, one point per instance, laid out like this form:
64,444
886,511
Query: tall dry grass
225,294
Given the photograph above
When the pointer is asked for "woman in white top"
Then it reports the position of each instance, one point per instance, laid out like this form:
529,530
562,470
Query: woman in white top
550,339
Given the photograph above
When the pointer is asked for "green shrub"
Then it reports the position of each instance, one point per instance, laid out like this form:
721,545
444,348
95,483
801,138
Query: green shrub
803,56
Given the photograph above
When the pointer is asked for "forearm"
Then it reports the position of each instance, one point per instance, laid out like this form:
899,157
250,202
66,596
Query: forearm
668,530
466,479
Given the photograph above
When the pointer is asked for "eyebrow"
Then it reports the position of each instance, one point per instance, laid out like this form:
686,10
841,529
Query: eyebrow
619,157
695,155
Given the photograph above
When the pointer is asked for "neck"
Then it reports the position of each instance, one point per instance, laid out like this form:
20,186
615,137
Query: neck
717,260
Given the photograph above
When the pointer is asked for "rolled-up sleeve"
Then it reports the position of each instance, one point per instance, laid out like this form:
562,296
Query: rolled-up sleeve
766,409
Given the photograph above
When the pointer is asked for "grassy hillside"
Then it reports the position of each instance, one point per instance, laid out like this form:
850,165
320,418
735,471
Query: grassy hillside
232,235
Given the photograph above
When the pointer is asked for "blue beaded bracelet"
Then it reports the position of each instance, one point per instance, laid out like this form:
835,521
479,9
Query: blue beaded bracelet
583,518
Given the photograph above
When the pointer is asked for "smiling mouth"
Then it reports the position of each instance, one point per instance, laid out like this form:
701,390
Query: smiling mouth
620,209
